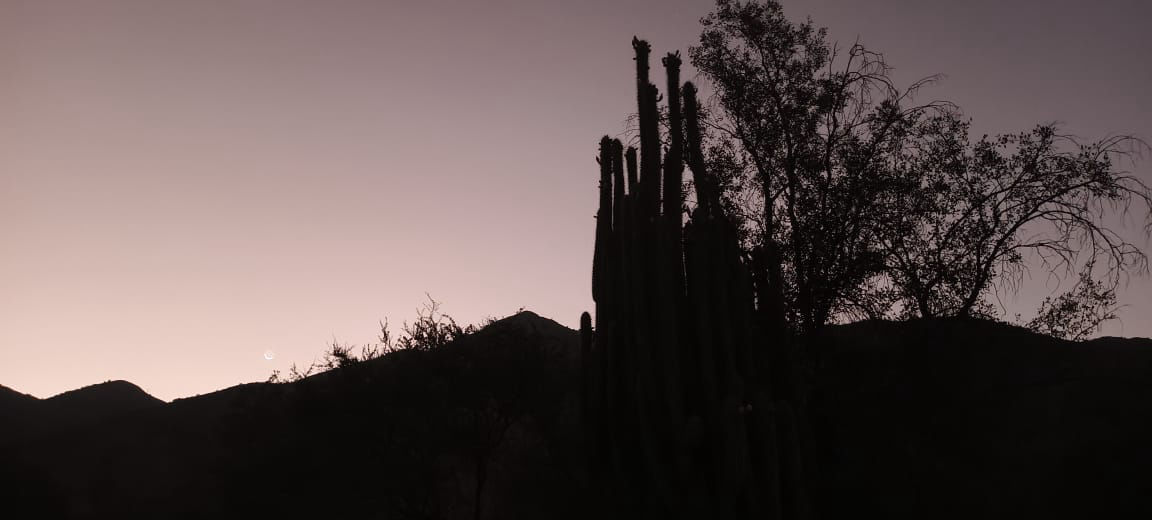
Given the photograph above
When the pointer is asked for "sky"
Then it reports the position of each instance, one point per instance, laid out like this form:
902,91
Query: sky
186,185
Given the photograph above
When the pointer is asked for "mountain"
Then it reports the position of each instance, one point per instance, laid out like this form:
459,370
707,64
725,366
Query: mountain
9,396
14,404
415,424
978,419
72,409
104,399
936,418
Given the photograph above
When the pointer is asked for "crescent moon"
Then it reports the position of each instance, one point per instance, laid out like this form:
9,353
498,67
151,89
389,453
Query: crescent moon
269,355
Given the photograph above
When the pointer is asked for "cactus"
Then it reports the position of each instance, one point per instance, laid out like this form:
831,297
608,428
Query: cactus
603,220
674,161
587,362
633,176
676,388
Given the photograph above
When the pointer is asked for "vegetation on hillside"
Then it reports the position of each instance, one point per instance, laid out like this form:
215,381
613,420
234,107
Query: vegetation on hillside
430,330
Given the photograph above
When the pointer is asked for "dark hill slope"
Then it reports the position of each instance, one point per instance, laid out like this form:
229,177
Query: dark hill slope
104,399
925,419
27,416
403,436
976,419
15,408
9,396
13,402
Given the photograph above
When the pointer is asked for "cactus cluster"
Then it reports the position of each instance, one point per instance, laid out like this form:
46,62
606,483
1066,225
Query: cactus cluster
681,416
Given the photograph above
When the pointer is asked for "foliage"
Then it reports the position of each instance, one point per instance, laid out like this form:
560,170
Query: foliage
967,214
855,201
432,329
809,130
1078,312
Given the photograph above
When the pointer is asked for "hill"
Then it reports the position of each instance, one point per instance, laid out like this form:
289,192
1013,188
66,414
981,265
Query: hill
937,418
14,405
404,435
978,419
72,409
101,400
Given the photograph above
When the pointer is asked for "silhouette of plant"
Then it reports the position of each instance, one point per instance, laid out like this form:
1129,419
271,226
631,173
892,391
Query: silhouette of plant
822,191
1078,312
803,130
432,329
682,414
855,201
966,215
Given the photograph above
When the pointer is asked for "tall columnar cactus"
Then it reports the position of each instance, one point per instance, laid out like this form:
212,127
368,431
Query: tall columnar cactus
633,176
586,370
649,127
676,383
603,221
674,160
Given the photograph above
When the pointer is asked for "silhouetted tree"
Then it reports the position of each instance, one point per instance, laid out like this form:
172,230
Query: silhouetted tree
1078,312
964,215
855,200
805,134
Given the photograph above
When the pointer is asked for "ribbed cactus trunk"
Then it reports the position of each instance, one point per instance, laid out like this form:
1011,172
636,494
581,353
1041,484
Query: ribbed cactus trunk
677,399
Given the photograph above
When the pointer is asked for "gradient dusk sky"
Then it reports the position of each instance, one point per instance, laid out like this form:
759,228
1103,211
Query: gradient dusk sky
187,184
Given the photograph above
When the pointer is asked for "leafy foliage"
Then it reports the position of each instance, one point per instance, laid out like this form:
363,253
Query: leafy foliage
966,214
808,130
1076,314
432,329
857,202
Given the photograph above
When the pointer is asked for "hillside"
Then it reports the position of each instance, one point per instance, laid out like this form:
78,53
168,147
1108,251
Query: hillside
73,409
107,399
14,405
976,419
414,423
936,418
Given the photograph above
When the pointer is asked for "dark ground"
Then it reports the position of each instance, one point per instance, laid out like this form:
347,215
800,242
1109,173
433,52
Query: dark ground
946,418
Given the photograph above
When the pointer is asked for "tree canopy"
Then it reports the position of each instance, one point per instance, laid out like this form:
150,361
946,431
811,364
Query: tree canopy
857,201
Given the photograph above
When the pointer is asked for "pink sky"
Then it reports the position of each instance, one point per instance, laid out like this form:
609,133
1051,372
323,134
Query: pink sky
185,185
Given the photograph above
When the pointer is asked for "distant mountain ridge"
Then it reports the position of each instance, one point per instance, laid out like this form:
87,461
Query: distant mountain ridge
118,395
102,399
124,395
984,419
121,392
8,395
71,409
210,455
14,404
